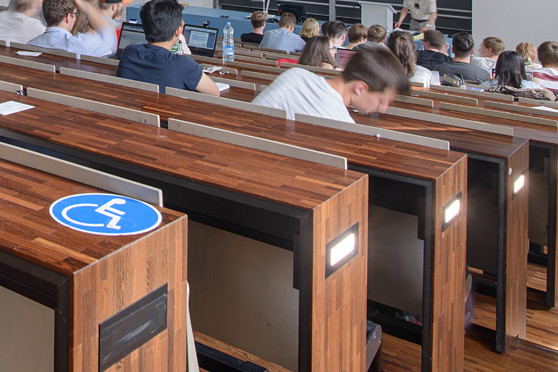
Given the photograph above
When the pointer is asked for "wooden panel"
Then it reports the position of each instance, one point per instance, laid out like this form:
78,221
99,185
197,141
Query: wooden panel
466,92
30,64
414,100
448,277
55,52
234,83
318,70
448,97
11,87
110,79
338,302
517,245
259,75
118,280
511,107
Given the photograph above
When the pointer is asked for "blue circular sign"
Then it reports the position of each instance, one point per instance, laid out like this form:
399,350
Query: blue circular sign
105,214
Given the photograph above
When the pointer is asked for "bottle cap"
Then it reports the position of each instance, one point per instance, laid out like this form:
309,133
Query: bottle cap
228,23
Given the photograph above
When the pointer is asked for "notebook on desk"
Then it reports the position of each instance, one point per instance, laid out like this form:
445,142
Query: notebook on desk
131,34
201,40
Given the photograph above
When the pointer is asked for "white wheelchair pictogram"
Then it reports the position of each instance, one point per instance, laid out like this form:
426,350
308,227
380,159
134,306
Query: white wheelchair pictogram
105,209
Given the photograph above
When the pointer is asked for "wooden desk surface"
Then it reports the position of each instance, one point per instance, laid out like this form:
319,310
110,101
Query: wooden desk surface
28,230
289,181
392,156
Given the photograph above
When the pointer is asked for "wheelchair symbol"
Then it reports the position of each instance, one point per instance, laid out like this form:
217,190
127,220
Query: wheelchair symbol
105,209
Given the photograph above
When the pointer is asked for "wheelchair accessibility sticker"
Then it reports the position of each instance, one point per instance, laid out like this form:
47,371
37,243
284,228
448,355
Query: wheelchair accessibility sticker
105,214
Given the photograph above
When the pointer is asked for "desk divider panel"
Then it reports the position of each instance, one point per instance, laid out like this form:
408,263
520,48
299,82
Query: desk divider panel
252,66
258,60
104,61
375,132
498,96
319,70
103,108
415,100
54,52
416,84
110,79
455,122
517,108
79,173
498,114
538,102
224,70
227,102
444,96
234,83
256,143
11,87
259,75
29,64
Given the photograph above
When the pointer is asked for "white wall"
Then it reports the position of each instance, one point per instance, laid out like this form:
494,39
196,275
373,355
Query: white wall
514,21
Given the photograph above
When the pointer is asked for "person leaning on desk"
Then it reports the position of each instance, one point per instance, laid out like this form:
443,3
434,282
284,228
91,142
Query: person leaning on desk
423,14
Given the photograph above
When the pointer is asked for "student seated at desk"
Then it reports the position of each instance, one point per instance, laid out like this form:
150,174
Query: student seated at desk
547,75
460,67
357,35
310,28
60,16
375,37
319,52
283,38
369,82
510,72
153,62
435,50
337,33
401,45
490,49
257,19
19,23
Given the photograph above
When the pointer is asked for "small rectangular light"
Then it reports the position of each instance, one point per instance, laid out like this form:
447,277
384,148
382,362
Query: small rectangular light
518,184
342,249
452,210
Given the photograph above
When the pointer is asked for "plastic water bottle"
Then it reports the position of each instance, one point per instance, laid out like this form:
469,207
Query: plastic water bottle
228,43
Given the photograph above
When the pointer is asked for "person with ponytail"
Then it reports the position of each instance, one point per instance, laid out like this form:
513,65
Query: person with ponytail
401,44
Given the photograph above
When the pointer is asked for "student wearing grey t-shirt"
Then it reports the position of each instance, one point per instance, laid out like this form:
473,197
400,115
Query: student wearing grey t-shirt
369,82
461,67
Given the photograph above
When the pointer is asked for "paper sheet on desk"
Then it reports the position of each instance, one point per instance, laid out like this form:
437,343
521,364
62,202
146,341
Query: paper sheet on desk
11,107
27,53
211,69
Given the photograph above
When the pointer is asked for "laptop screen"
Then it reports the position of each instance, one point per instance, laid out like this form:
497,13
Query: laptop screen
201,40
131,33
343,56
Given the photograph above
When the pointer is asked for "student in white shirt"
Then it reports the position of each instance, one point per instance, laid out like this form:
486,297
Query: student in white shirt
490,49
19,23
401,44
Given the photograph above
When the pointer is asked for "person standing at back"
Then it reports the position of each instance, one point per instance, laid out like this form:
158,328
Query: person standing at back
283,37
19,23
153,62
60,16
423,14
257,19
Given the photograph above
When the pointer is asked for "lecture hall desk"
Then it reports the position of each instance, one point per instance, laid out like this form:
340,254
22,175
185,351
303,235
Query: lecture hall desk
294,204
82,280
425,178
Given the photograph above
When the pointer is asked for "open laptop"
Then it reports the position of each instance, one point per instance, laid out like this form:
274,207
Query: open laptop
201,40
131,33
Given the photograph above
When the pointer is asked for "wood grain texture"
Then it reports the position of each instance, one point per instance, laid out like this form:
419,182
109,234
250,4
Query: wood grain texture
339,318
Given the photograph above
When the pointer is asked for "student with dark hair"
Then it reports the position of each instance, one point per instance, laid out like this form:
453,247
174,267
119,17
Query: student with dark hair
283,37
257,19
460,67
547,75
434,52
357,35
60,16
325,27
318,52
337,32
490,49
401,45
510,72
369,82
153,62
19,23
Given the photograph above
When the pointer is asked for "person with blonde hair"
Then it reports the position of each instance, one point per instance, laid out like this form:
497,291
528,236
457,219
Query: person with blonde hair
529,53
490,49
357,35
310,28
258,20
19,23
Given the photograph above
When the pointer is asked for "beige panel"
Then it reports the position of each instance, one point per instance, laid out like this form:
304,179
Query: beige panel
415,100
29,64
257,143
242,293
444,96
55,52
259,75
104,61
538,102
81,174
234,83
311,68
498,96
375,132
11,87
110,79
27,336
103,108
227,102
529,110
455,122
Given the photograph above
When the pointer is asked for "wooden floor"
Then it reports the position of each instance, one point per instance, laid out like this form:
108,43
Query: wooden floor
539,352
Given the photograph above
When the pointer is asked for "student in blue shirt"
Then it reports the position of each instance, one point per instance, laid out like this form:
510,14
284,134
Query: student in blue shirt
283,37
60,16
153,62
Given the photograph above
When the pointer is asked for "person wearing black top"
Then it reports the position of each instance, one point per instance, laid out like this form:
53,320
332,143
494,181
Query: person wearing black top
434,50
257,19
